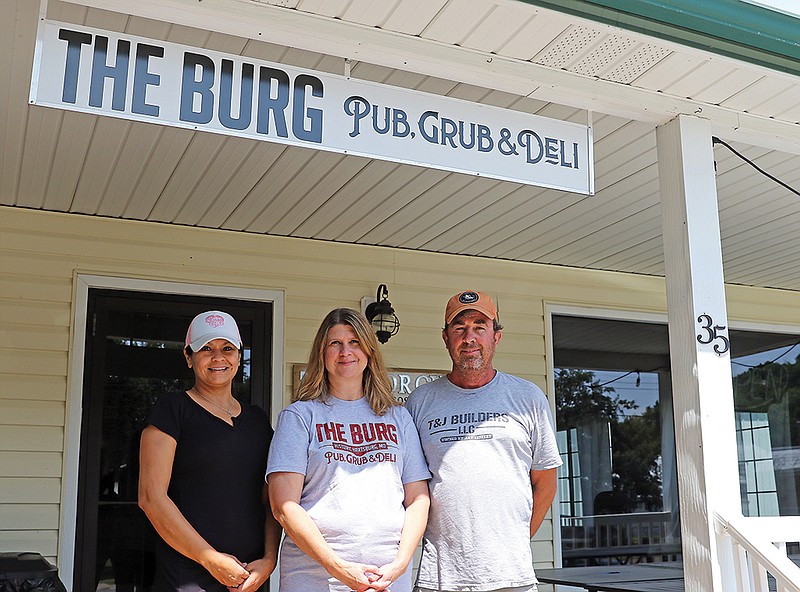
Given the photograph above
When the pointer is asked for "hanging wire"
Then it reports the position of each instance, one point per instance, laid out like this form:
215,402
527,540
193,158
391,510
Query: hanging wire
765,363
620,378
638,376
716,140
617,378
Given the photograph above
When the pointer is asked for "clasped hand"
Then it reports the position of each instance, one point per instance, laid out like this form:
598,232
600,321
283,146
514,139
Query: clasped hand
369,578
227,569
259,572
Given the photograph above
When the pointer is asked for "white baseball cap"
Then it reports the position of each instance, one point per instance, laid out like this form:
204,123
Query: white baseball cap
210,325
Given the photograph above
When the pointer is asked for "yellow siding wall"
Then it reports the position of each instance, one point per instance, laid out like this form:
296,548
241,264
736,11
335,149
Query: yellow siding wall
41,254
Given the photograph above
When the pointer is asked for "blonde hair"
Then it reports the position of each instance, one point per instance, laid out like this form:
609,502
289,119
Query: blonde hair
375,380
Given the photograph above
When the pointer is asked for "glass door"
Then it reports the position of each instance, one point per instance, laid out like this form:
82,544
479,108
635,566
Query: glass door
618,495
133,354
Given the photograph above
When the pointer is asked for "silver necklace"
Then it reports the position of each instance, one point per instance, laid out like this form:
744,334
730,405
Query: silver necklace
228,410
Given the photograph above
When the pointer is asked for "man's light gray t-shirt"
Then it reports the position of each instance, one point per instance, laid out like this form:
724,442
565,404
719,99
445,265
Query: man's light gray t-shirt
355,465
481,445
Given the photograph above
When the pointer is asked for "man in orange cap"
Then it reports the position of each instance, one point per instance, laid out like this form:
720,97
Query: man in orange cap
489,441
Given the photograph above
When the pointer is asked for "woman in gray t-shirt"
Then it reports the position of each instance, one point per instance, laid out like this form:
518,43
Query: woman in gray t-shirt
347,476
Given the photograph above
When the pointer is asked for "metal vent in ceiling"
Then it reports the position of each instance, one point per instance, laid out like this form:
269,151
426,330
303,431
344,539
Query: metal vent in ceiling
637,63
597,61
563,51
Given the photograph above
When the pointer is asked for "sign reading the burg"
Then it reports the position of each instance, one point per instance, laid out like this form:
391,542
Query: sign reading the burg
119,75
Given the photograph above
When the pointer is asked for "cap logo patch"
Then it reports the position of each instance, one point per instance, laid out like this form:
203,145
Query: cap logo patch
468,298
215,321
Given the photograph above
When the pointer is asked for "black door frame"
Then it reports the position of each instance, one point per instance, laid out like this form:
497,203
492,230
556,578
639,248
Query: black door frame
261,312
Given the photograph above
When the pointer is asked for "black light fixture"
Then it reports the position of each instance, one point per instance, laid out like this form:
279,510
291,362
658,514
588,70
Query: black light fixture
381,315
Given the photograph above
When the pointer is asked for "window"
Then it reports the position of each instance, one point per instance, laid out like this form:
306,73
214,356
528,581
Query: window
766,389
618,485
569,473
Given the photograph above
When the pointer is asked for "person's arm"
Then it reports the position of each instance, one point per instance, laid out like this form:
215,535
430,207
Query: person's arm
261,569
543,485
417,502
284,496
156,456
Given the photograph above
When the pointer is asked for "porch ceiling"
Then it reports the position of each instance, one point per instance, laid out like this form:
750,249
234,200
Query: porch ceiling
543,62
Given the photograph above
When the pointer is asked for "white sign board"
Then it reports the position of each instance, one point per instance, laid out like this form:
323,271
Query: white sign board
106,73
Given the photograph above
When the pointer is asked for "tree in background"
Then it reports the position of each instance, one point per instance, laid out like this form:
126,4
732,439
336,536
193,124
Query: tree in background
637,459
582,400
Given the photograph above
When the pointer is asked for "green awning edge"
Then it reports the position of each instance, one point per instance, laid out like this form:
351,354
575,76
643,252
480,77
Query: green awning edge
731,28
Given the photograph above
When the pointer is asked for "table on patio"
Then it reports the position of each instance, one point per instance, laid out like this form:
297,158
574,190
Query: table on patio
641,577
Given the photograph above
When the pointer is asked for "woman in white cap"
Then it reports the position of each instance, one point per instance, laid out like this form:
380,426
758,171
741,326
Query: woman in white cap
203,457
347,476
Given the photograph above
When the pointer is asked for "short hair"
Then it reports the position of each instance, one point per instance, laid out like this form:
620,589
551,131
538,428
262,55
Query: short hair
375,380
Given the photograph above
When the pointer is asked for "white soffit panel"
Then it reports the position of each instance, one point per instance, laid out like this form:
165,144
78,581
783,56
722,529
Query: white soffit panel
441,57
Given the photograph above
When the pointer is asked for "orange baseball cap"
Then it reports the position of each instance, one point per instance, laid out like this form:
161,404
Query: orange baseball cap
470,300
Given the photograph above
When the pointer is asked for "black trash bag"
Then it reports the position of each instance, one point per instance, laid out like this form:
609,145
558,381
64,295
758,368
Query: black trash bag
32,585
28,572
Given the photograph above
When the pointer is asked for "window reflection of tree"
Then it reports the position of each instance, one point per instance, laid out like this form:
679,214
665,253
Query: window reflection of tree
619,449
583,403
767,406
637,460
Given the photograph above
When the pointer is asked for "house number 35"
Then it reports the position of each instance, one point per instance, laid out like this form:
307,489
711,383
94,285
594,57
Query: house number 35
712,332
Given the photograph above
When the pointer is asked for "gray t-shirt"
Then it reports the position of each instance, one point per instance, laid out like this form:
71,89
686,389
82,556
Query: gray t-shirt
481,445
355,465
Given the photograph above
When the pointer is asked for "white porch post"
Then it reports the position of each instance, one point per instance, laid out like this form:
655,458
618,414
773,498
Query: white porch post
698,341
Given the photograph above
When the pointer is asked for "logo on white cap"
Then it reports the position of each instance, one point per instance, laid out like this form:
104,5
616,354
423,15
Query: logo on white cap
215,320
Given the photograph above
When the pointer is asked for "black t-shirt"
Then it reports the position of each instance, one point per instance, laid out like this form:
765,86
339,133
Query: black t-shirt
217,480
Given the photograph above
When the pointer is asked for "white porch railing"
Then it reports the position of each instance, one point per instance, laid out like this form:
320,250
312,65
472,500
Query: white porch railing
752,549
619,538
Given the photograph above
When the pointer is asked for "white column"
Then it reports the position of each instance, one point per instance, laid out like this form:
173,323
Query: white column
698,341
